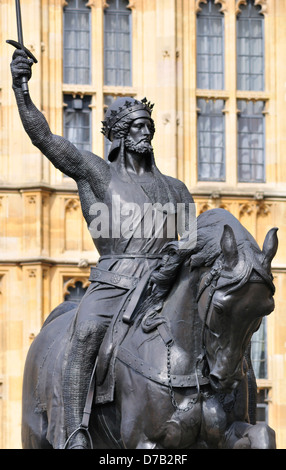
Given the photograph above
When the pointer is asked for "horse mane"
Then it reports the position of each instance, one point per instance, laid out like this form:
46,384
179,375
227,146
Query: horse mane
161,282
210,226
207,252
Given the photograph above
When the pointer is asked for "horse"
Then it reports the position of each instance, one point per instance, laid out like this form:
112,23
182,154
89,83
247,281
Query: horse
181,369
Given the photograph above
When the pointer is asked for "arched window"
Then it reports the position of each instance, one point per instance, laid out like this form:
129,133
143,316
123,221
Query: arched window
77,44
117,44
250,48
210,76
76,292
210,46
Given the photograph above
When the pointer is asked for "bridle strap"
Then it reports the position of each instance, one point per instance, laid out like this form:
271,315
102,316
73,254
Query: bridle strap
208,278
211,281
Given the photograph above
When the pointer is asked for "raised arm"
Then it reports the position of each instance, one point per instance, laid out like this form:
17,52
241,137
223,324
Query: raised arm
62,153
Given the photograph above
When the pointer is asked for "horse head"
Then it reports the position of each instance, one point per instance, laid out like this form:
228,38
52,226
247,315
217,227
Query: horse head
233,298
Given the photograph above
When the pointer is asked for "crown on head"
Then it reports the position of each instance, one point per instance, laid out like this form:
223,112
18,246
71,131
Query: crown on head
128,107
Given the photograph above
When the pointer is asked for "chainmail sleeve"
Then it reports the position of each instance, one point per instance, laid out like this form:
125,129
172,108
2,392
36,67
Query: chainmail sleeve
62,153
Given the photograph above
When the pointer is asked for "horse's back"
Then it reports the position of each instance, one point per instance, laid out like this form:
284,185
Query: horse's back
42,380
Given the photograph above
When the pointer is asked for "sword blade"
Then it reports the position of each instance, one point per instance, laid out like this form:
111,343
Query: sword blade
20,45
24,80
19,22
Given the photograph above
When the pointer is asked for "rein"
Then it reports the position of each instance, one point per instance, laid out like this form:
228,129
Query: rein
211,280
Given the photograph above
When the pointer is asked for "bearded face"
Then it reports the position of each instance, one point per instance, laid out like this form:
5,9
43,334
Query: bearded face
143,147
139,137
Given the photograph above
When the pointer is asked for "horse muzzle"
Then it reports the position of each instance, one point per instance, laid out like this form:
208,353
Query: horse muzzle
224,384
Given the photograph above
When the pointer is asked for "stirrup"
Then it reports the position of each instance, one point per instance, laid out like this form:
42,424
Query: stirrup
86,412
80,428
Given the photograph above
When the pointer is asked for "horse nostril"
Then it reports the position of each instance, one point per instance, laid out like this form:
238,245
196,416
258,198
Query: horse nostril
219,384
215,381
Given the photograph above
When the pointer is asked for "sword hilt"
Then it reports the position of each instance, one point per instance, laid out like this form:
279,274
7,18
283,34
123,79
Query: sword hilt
17,45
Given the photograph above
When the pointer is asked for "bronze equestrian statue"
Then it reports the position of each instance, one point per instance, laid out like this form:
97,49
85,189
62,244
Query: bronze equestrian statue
166,321
176,376
131,176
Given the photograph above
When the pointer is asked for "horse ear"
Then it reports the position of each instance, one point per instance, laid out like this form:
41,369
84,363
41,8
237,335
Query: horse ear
270,247
229,247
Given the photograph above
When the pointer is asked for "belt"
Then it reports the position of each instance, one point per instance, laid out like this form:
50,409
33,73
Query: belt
132,256
112,278
117,279
134,284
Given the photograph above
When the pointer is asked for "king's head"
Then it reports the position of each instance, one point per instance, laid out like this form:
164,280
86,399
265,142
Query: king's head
127,109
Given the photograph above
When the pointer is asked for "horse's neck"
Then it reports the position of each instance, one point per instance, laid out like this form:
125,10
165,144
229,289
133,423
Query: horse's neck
181,311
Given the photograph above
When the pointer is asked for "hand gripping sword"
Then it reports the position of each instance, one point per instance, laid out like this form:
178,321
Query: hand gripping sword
20,45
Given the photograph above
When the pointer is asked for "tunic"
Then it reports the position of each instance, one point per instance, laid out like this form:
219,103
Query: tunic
102,183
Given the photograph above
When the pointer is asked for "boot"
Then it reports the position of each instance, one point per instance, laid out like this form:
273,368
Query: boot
78,440
81,357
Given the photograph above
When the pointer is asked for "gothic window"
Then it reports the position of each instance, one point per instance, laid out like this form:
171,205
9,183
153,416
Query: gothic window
250,48
251,141
117,43
77,121
77,44
210,46
75,291
211,154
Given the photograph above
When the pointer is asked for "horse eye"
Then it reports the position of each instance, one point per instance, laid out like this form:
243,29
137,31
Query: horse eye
218,309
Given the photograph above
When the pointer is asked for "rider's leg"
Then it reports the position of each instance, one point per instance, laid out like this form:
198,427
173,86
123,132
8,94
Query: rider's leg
93,317
81,357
